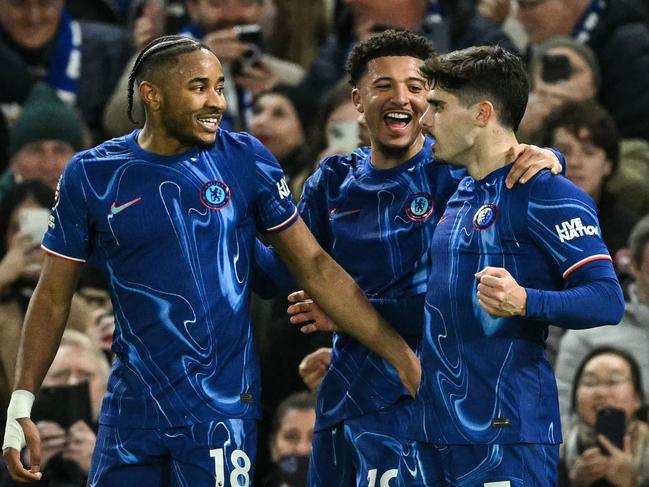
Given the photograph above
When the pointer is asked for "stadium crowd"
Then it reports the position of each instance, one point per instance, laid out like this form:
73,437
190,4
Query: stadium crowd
64,88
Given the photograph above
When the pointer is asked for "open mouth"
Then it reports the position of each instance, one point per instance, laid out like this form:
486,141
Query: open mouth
210,122
397,120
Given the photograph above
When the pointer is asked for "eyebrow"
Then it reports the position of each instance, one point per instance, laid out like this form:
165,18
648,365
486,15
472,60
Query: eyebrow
205,80
390,78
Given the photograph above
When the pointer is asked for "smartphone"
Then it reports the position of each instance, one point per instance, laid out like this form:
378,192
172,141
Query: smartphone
555,68
293,470
64,405
611,422
249,34
33,222
343,135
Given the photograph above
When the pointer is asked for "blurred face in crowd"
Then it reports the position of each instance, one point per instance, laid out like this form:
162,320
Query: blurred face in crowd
276,124
384,12
606,381
42,160
73,365
34,260
392,97
544,19
31,23
582,80
213,15
295,434
587,164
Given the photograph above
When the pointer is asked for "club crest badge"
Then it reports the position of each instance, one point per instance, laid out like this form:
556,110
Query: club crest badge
419,207
485,217
215,195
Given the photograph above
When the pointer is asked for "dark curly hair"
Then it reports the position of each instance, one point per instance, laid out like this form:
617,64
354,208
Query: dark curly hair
480,72
391,42
589,114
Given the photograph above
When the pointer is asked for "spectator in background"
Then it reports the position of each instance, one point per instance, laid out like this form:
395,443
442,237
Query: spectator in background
563,70
299,30
606,377
93,289
42,140
586,134
281,120
290,440
149,24
243,60
81,60
66,452
618,32
20,260
632,334
340,129
448,24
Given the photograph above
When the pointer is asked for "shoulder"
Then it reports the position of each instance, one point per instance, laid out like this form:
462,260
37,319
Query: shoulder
343,163
335,169
546,186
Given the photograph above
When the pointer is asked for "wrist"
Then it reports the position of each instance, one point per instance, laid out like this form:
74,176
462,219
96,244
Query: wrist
20,405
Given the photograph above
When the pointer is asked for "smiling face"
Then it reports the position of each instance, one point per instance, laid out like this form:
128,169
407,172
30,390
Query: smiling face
606,381
31,23
392,97
190,100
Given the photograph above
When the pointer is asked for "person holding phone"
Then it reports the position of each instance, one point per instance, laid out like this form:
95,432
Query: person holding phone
232,30
66,416
561,70
607,445
21,231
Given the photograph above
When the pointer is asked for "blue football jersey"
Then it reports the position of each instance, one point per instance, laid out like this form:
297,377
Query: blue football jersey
377,224
176,235
487,379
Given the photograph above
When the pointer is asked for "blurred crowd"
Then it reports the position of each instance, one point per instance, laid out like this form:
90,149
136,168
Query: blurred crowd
63,88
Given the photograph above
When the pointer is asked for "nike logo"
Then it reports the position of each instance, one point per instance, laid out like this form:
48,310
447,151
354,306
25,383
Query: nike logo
114,210
335,214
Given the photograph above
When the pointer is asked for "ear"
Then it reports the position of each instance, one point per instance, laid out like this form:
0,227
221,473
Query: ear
484,113
151,95
356,99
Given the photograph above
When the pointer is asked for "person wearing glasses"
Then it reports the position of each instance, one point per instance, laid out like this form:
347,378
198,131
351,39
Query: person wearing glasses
606,378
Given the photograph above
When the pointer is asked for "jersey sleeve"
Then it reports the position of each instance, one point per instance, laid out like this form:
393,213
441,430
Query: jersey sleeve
563,221
274,208
67,233
313,206
270,276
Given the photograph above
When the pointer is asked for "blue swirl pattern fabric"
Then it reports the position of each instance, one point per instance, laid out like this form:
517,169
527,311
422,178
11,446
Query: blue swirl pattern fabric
487,379
377,224
176,235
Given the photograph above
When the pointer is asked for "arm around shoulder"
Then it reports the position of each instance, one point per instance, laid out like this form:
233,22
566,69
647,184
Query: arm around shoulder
345,303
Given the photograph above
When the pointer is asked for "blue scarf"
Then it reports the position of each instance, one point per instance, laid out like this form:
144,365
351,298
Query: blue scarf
589,21
64,67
